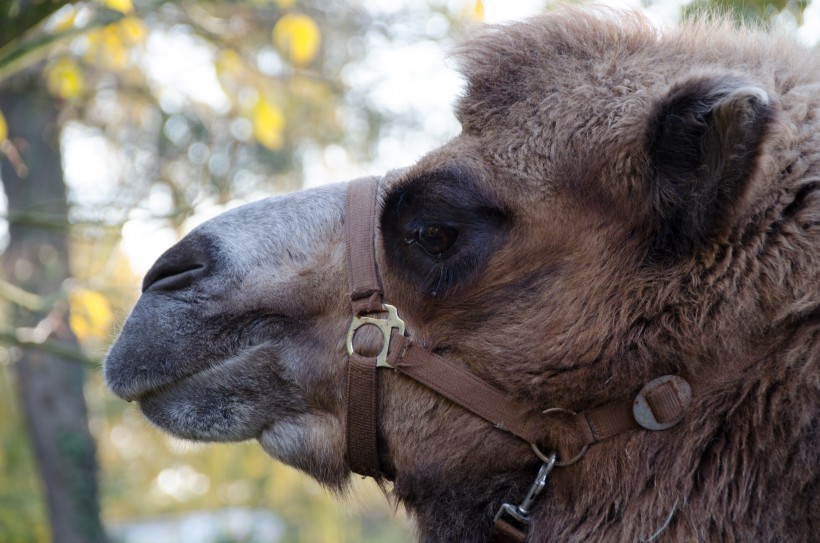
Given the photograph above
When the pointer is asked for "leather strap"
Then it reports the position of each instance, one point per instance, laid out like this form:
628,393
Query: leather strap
467,390
366,297
360,228
362,416
529,422
525,421
504,532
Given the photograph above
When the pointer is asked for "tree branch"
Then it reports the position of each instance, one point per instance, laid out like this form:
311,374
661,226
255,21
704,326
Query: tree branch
62,349
21,297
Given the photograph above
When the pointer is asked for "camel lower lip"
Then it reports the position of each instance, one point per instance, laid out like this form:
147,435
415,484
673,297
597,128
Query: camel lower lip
217,416
139,389
210,405
140,393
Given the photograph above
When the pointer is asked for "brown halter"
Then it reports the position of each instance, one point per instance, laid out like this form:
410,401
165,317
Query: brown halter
661,403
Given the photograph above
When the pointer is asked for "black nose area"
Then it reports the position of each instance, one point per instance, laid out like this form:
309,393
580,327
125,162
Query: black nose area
181,265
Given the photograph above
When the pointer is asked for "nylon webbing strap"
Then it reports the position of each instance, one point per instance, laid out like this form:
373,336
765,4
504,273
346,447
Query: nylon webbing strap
609,420
504,532
362,418
365,296
360,228
527,422
466,389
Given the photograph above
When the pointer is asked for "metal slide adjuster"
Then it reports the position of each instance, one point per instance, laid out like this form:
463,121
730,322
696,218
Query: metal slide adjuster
386,325
521,513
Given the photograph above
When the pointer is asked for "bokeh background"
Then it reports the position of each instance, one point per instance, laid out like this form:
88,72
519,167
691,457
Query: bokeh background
123,124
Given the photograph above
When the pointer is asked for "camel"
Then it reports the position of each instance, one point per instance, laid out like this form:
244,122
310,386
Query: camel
628,220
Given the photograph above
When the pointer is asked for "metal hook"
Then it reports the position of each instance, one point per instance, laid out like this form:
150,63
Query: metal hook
521,512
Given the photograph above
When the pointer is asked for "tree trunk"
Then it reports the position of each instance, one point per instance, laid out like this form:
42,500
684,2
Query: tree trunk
50,387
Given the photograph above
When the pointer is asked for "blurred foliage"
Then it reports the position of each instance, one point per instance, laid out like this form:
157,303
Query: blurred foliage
22,514
18,17
265,83
22,46
749,11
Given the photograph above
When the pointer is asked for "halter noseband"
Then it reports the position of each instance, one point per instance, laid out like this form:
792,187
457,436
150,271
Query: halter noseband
659,405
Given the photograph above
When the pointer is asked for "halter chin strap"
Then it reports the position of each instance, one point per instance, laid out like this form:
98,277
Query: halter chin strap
661,404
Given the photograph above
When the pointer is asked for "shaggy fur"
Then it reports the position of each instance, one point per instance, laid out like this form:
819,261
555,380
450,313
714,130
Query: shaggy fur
622,203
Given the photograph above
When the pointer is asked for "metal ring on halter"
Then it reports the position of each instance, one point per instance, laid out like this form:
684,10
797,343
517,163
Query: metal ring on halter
546,458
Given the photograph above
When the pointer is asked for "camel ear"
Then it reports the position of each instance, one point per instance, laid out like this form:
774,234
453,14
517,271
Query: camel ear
704,141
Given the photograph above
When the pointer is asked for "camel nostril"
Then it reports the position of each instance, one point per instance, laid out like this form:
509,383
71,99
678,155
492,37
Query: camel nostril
170,277
179,266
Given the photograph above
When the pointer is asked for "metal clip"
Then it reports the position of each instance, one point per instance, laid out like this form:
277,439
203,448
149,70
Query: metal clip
521,512
385,325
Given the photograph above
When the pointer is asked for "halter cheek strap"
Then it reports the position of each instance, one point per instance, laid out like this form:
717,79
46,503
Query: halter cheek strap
366,299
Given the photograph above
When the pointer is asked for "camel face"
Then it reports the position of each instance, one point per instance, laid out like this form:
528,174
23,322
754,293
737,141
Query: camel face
239,333
621,205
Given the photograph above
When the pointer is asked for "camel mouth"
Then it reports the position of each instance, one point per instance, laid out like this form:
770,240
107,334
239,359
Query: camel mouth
213,404
132,390
133,375
146,384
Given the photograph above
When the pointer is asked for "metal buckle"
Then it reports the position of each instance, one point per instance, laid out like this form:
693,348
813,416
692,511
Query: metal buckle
386,325
521,513
678,393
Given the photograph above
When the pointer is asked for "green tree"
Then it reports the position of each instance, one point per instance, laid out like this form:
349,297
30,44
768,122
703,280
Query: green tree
748,11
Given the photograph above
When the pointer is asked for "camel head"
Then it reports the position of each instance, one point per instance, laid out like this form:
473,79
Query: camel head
590,229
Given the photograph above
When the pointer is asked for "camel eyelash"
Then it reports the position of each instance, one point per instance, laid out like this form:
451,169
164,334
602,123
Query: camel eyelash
445,280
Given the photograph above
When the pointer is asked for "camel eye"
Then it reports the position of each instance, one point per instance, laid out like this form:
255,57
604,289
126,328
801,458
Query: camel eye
435,239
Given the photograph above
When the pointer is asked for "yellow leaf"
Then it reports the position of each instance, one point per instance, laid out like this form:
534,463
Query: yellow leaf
4,128
64,79
123,6
298,36
268,124
477,12
131,30
65,19
114,53
89,314
109,46
228,62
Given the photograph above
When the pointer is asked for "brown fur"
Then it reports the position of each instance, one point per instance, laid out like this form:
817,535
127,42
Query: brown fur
629,204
